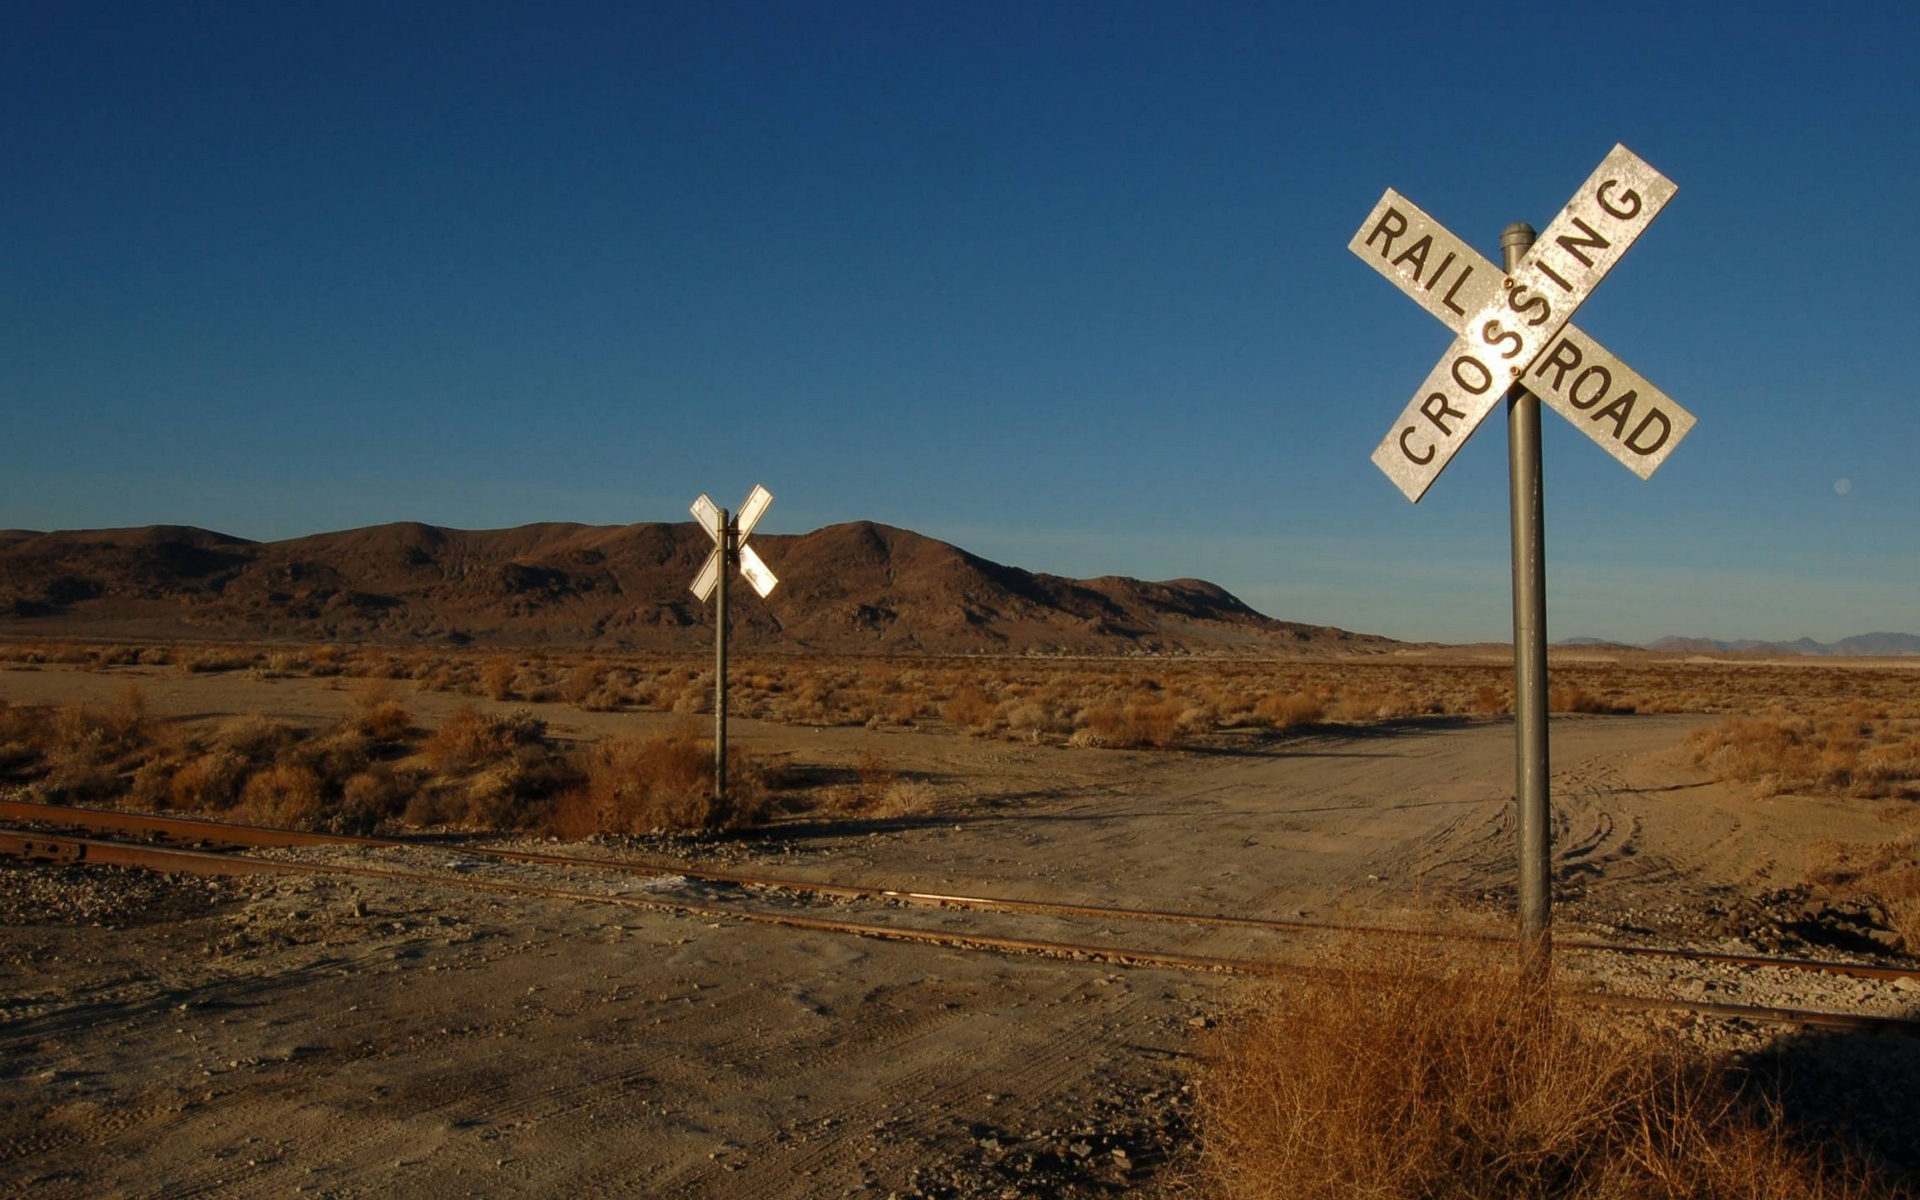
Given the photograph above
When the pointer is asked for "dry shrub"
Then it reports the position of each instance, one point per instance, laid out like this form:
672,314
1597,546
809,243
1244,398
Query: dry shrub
878,791
1154,723
77,781
1886,872
1354,705
1445,1075
210,660
81,730
77,753
520,793
443,678
690,701
582,682
1123,726
1034,720
905,798
1285,710
334,756
1834,755
208,783
874,777
596,686
469,738
1100,725
661,782
1572,698
905,709
387,721
421,662
370,800
496,678
1198,718
1488,699
283,795
968,709
152,785
814,702
325,660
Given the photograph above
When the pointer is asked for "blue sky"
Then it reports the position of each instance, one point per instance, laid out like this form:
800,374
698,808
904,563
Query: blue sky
1066,284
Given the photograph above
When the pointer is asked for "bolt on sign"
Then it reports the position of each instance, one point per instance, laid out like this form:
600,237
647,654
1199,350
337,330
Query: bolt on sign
1515,327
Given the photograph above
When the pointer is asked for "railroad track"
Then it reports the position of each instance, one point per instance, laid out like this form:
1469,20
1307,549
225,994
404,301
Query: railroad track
33,845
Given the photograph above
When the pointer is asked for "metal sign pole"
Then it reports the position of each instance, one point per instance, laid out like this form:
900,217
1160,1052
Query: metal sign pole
720,661
1531,777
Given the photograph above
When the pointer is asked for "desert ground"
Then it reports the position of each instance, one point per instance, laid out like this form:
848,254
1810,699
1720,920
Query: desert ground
337,1035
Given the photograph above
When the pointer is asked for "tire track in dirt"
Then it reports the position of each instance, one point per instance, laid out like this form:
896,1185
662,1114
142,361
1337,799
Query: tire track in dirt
1029,1077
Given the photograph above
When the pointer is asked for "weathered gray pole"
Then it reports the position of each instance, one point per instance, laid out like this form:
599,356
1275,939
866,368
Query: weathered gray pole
1529,651
720,660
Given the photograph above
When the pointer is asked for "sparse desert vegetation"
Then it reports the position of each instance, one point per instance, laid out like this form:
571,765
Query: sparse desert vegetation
1850,749
376,771
1101,703
1409,1071
1810,728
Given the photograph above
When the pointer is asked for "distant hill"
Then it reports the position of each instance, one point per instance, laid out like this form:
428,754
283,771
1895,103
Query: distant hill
1865,645
846,588
1594,643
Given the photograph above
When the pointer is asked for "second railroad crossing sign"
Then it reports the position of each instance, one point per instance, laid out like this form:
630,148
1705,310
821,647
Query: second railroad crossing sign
709,515
1515,329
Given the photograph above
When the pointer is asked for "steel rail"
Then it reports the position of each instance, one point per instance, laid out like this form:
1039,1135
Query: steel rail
41,847
201,829
92,851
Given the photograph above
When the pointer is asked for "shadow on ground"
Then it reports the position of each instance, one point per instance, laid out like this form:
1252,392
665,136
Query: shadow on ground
1858,1090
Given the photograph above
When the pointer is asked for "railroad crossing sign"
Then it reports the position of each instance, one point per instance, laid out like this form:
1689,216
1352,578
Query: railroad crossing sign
1514,328
729,547
713,519
1514,339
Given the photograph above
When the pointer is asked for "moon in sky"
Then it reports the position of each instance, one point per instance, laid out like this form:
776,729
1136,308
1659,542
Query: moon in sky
1842,486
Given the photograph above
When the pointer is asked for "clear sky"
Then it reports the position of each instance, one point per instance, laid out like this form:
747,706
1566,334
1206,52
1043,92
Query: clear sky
1066,284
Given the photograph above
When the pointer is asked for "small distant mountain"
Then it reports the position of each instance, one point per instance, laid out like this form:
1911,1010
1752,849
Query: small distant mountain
845,588
1865,645
1877,644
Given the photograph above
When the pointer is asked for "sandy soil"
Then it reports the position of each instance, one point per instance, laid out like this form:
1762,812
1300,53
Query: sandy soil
347,1037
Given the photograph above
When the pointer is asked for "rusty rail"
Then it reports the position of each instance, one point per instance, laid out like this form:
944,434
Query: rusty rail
202,830
41,847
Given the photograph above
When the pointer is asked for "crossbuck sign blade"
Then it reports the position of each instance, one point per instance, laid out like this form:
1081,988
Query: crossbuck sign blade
763,580
749,516
1516,328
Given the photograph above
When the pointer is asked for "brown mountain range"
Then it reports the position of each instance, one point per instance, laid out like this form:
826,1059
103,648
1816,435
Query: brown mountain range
846,588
